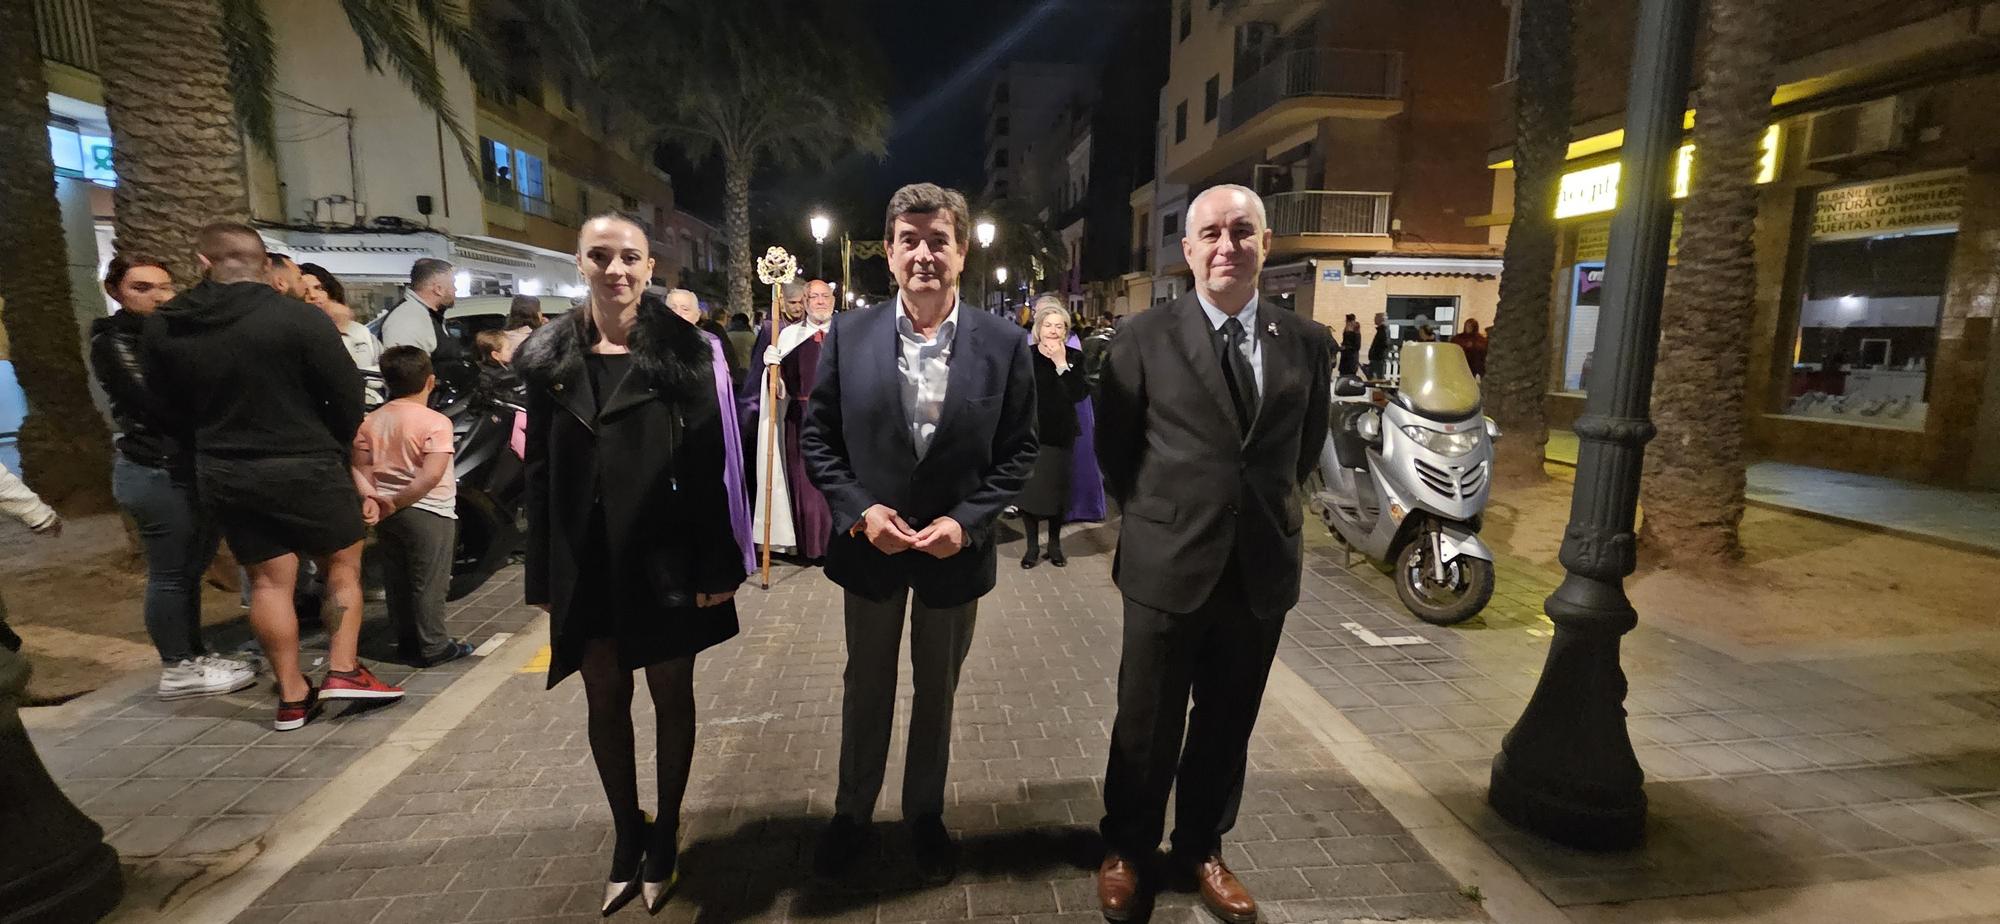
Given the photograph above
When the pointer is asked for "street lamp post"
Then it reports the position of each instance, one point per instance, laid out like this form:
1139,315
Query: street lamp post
1567,770
984,232
820,225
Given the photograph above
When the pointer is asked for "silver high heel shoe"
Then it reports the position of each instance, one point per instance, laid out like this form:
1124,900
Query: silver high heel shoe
619,893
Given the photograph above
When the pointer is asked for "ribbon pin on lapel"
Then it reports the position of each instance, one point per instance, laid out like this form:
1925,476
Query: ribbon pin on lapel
1271,328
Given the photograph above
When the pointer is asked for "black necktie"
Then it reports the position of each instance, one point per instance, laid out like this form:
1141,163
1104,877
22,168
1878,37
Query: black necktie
1237,372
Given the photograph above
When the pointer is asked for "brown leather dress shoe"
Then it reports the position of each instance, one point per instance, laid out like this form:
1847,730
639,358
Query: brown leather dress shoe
1223,893
1118,887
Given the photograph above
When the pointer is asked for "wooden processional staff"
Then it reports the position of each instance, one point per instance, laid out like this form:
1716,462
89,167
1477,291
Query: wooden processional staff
775,269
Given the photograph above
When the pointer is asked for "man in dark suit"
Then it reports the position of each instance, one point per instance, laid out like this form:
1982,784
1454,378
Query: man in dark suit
919,432
1211,412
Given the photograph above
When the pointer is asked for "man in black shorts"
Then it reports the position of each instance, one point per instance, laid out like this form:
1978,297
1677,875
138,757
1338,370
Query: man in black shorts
266,393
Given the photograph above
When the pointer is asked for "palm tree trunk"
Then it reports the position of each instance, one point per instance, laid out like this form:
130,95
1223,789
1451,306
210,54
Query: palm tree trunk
736,169
65,446
1693,489
1517,365
173,124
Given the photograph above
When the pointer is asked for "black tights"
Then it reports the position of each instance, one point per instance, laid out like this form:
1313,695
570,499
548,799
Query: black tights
1033,527
608,688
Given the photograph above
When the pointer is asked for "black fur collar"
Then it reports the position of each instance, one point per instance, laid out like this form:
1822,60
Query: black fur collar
665,348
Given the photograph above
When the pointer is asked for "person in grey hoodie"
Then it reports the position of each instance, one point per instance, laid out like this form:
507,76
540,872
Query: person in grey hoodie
268,397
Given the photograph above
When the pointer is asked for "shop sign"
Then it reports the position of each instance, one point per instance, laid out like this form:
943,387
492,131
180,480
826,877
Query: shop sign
1595,189
1593,240
79,153
1920,202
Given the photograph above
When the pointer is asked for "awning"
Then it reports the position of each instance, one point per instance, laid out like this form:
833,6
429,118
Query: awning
360,256
1423,266
1286,277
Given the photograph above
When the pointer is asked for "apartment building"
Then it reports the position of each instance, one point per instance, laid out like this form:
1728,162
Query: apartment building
1024,100
1359,123
1877,237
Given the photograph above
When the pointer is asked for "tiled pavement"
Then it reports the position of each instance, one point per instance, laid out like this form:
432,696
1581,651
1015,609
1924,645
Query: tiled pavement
504,818
181,786
1759,775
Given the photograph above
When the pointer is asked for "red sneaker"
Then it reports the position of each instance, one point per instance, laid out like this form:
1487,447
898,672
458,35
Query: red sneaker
361,684
293,715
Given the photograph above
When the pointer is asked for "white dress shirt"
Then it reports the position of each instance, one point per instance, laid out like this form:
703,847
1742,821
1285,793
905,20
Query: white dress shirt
1252,350
926,368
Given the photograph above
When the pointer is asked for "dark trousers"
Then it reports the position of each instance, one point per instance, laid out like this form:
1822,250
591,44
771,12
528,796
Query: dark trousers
1221,654
939,639
179,542
416,547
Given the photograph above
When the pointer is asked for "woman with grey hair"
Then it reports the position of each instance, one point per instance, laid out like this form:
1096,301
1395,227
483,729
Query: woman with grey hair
1059,385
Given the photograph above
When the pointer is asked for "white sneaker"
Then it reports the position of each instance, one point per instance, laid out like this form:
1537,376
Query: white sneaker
227,664
197,678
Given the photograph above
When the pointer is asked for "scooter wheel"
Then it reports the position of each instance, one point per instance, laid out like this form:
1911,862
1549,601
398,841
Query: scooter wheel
1466,590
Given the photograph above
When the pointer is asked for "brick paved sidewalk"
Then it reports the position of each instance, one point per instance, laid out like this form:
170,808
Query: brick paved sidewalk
1762,774
503,819
185,787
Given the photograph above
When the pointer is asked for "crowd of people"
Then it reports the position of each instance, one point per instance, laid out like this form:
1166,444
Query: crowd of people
893,440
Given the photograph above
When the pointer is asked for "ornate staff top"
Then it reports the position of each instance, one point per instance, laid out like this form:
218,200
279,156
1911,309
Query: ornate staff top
777,267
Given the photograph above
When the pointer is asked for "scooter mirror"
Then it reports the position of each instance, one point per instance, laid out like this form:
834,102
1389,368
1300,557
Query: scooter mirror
1348,386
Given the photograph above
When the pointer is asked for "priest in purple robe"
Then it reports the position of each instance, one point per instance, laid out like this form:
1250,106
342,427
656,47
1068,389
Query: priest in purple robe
688,306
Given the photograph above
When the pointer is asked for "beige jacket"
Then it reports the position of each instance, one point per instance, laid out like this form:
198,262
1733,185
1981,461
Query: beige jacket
17,501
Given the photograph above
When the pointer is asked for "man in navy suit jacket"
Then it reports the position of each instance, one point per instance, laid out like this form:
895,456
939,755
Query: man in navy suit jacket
921,430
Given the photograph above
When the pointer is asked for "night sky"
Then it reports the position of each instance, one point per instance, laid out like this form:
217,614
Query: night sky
941,57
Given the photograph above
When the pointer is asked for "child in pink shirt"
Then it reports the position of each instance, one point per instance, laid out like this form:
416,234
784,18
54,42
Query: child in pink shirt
402,465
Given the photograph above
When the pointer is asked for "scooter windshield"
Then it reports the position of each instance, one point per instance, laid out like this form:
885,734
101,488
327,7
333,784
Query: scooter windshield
1437,380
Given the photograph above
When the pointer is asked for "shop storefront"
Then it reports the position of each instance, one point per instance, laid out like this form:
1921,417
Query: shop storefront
1869,349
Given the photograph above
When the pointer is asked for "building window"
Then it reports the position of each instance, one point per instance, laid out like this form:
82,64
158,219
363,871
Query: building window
999,157
1187,18
496,162
1170,226
1874,285
528,175
583,201
1000,125
1000,93
1211,98
1000,188
1180,122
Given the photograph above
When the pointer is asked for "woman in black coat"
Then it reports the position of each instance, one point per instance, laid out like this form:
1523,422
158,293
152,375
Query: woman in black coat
630,548
1350,347
1059,385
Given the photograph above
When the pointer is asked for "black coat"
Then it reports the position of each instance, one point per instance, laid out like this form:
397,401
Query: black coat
1056,397
1193,491
1350,352
1378,351
653,457
859,452
135,407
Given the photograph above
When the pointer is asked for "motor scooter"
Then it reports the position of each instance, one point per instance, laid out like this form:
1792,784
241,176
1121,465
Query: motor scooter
1403,480
492,480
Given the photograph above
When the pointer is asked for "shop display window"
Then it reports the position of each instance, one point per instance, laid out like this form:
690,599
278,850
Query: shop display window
1586,296
1867,330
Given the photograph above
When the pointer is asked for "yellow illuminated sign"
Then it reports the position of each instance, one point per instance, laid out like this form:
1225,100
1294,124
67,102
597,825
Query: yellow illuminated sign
1595,189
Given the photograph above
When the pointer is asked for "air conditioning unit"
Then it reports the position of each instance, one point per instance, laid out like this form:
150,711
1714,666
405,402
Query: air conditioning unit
1874,127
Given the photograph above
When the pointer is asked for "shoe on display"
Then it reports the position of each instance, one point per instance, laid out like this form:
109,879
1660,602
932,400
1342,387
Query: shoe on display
361,684
198,677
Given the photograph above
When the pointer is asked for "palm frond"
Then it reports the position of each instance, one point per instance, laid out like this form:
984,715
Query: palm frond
253,69
450,23
390,35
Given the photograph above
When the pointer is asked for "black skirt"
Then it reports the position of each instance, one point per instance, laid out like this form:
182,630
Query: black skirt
1046,495
643,631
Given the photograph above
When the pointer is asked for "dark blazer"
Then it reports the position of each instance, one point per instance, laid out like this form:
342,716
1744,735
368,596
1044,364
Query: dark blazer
1056,397
656,454
859,452
1193,491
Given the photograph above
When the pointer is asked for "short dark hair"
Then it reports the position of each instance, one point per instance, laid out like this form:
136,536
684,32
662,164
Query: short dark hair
234,250
114,272
427,269
524,311
404,370
278,259
327,281
928,199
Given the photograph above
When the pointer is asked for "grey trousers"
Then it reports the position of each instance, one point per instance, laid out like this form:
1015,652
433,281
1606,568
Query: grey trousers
939,639
416,547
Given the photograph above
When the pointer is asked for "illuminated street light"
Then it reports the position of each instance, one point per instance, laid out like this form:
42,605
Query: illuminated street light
1000,275
821,226
984,231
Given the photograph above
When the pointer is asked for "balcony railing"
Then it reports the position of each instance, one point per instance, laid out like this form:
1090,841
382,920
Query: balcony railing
1324,212
64,31
506,196
1344,72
